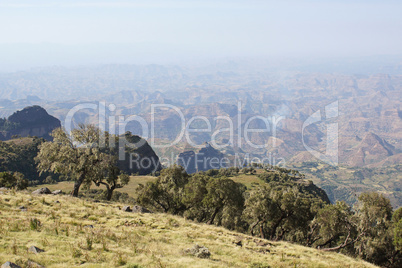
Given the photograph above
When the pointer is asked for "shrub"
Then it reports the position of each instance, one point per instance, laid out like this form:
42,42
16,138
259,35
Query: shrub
16,180
34,224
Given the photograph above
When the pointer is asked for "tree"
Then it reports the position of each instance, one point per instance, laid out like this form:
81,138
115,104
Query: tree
259,209
167,192
333,225
397,219
194,192
7,180
20,182
282,210
374,214
13,180
214,200
78,155
110,176
223,199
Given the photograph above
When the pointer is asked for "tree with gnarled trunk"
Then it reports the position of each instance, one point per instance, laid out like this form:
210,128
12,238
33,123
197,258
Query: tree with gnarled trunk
79,156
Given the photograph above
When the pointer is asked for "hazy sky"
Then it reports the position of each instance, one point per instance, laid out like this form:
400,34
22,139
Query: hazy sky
82,32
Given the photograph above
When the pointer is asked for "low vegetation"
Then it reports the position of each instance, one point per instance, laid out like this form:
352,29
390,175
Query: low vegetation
263,201
74,232
286,207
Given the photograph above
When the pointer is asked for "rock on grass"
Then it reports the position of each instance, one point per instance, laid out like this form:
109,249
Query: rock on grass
35,250
44,190
10,265
199,251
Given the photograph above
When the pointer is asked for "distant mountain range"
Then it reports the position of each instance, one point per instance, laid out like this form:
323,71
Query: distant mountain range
368,114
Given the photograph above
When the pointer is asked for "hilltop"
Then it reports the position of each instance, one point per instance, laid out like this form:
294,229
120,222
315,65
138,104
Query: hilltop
30,121
74,232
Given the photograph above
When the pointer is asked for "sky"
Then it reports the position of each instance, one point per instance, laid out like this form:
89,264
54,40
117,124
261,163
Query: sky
53,32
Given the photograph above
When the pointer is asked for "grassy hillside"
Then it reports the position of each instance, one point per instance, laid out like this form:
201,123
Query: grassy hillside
67,186
74,232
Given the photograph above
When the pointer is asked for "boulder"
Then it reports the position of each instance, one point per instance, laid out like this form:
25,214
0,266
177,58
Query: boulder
10,265
44,190
199,251
261,243
32,264
126,209
238,241
35,250
57,192
139,209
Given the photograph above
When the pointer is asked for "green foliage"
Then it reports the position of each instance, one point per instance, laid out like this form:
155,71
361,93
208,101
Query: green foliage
285,207
398,235
214,200
7,180
397,216
246,170
367,231
81,157
18,156
332,223
374,214
34,224
166,193
281,210
16,180
20,182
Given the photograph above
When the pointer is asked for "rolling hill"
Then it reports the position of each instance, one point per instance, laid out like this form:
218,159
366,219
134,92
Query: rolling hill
78,233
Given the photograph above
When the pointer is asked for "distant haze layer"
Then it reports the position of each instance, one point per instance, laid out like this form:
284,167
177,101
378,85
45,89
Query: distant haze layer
43,33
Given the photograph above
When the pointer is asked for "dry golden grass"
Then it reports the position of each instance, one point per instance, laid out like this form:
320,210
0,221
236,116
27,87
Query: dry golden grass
130,188
133,240
248,180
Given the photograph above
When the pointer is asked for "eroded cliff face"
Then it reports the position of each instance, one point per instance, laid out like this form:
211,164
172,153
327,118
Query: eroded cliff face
139,157
205,159
30,121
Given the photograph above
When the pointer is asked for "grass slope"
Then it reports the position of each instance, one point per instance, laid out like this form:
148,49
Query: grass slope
133,240
248,180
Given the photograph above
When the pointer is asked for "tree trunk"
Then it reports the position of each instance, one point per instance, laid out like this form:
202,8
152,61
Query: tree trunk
77,185
253,226
211,221
276,225
345,244
109,192
262,234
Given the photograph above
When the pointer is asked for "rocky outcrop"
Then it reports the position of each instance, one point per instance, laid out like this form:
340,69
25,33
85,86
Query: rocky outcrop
199,251
35,250
139,157
44,190
136,209
10,265
139,209
205,159
30,121
57,192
